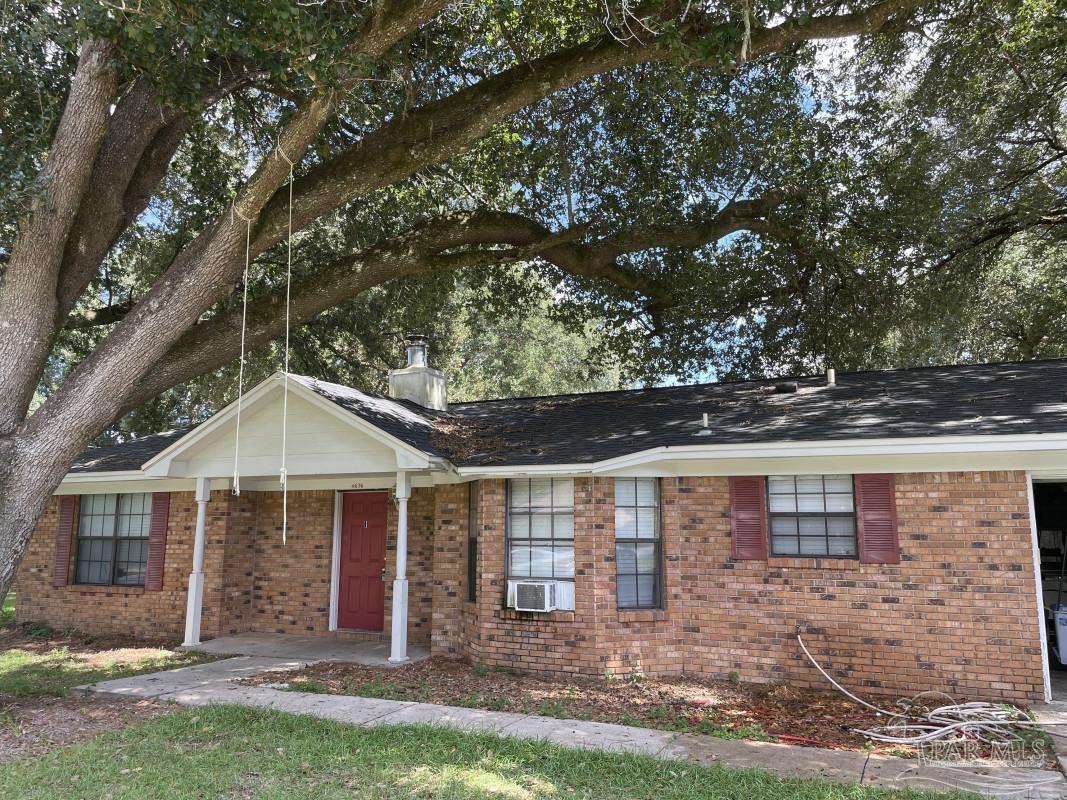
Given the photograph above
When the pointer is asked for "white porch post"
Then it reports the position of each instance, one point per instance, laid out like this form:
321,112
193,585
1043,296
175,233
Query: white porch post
399,649
196,577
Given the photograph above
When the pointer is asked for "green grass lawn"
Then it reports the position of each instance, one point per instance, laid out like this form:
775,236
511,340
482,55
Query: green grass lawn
54,668
228,751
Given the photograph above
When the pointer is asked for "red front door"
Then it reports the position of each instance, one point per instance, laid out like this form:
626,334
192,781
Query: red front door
361,595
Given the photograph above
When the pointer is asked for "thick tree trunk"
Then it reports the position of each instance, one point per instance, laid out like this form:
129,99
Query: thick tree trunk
30,471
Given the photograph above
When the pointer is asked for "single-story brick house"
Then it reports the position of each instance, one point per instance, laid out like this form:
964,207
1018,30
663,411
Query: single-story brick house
890,515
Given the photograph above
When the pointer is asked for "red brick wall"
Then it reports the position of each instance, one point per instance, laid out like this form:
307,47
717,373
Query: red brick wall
449,568
127,611
958,613
252,582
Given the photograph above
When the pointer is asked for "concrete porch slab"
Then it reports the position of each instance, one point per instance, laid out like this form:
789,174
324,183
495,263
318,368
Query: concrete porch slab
306,649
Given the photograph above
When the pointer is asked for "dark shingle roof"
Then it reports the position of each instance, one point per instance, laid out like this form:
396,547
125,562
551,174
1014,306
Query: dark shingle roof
1010,398
127,456
1014,398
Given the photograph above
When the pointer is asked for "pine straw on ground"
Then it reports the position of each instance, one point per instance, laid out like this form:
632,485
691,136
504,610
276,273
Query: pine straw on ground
686,704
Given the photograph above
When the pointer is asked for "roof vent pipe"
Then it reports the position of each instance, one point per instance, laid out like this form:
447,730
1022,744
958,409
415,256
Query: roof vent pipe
418,349
831,377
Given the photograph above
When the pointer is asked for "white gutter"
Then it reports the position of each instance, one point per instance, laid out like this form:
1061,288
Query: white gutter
922,445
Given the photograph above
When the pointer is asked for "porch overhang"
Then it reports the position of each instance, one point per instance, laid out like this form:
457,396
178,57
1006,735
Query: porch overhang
323,440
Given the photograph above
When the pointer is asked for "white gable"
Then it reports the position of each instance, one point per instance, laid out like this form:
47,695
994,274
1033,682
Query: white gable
322,439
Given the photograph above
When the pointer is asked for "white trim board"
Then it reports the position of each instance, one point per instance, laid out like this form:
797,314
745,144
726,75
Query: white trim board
1046,674
335,560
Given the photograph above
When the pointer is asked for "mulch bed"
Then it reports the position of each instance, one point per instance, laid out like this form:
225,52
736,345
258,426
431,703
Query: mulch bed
30,726
685,704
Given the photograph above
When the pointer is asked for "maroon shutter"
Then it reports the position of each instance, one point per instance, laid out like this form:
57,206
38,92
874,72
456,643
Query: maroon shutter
876,515
748,514
157,542
68,510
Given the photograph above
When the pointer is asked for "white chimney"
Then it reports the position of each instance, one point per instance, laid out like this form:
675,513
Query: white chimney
831,377
418,382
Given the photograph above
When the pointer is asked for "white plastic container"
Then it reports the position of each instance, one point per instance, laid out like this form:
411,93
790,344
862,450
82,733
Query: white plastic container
1060,615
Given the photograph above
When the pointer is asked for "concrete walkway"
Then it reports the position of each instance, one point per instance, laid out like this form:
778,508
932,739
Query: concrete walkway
219,682
306,648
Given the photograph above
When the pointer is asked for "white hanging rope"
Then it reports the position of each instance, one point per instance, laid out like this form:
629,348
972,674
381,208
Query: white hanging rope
284,473
746,42
241,370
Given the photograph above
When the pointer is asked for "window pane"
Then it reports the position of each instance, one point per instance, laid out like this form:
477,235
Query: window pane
626,591
843,545
809,484
625,492
130,557
782,502
646,523
838,483
785,545
562,493
625,558
812,526
625,523
841,526
520,560
783,525
541,493
541,561
520,493
563,562
520,526
646,491
781,484
109,504
646,558
93,561
563,526
812,546
810,503
646,590
838,502
540,526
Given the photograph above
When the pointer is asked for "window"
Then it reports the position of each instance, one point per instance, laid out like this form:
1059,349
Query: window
541,528
812,515
113,539
638,558
472,543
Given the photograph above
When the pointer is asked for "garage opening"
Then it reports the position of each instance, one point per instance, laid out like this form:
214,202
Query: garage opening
1050,509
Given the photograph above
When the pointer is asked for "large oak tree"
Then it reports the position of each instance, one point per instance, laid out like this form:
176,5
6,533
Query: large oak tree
619,148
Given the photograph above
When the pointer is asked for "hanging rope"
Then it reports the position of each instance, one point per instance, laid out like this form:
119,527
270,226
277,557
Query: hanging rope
746,42
241,369
284,473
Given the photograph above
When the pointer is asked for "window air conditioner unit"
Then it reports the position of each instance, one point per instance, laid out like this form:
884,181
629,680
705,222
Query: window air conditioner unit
541,596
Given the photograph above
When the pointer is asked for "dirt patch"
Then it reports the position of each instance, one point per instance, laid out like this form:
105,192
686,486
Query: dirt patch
39,639
685,704
30,726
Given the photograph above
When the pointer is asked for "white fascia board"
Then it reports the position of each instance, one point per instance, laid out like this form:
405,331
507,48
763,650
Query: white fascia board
845,447
1018,444
408,457
543,470
119,482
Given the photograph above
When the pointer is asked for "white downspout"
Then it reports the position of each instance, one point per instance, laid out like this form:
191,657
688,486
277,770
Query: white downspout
399,649
196,577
